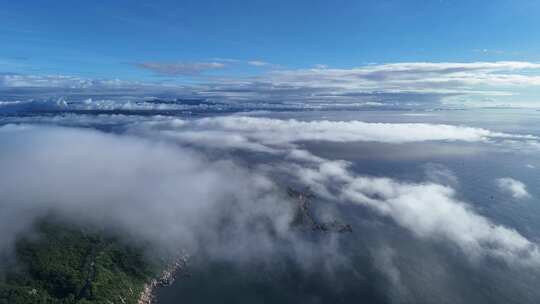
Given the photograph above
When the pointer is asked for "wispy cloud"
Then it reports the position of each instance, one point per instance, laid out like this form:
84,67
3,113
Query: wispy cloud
180,68
258,63
415,76
228,60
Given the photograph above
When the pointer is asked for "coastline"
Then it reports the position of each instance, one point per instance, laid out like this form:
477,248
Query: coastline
166,278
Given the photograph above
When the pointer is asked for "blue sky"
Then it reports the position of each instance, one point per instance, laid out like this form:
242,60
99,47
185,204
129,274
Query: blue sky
201,39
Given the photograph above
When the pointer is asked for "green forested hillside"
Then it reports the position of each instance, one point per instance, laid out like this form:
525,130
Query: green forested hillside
65,264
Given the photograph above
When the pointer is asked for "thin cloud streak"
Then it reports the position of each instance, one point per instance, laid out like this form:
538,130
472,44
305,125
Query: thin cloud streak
180,68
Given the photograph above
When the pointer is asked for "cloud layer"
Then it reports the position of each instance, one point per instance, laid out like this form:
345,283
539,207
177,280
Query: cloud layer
157,192
215,186
396,84
428,210
265,134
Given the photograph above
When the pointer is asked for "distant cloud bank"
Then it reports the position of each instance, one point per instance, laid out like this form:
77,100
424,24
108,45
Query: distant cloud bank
398,84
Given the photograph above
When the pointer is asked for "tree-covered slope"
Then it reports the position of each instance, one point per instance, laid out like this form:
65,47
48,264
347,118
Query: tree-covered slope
66,264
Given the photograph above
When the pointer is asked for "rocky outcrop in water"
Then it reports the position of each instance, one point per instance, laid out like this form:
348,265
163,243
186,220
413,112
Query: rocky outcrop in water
304,218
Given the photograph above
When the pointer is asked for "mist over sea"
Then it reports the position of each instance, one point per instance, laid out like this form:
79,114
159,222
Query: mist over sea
387,258
384,263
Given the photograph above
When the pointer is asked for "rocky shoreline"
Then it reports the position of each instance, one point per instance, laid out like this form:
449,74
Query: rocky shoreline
303,219
166,278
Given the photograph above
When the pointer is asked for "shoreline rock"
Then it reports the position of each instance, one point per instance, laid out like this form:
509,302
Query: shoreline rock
305,219
166,278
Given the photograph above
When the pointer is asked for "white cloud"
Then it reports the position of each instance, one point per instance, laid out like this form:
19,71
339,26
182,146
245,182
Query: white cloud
258,63
414,76
430,211
227,60
254,133
170,196
51,81
513,187
170,176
